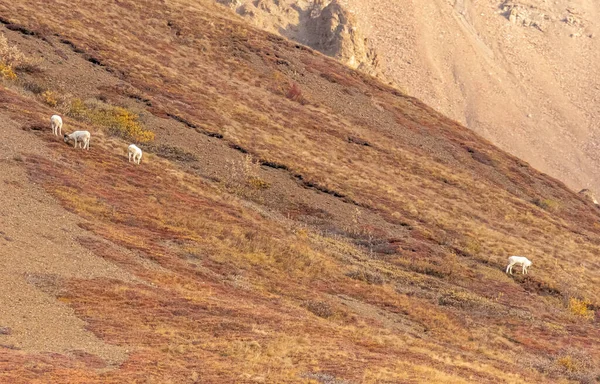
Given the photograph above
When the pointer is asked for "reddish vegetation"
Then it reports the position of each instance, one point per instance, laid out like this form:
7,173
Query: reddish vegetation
369,246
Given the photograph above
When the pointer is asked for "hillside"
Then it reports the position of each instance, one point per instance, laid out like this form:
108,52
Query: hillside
292,220
522,74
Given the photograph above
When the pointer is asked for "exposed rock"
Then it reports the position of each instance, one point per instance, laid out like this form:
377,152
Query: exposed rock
230,3
332,30
323,25
587,194
526,16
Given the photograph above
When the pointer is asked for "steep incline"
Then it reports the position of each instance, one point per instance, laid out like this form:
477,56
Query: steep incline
523,74
293,220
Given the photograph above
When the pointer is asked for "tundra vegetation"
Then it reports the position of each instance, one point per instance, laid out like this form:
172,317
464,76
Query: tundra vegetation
319,257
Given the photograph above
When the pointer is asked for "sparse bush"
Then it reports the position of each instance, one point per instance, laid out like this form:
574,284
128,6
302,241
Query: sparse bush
50,98
319,308
324,378
257,182
10,56
427,269
29,66
123,123
295,93
366,276
12,59
572,363
34,87
546,204
463,299
6,72
581,308
171,152
118,121
291,90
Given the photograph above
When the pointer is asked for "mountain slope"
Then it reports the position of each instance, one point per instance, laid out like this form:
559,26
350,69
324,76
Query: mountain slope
293,220
522,74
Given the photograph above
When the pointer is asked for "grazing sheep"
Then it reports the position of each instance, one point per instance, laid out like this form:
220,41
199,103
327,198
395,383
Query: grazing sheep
134,152
525,262
56,124
81,136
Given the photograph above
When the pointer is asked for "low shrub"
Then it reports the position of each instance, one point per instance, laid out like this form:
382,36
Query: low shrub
171,152
12,59
581,308
572,363
373,278
257,183
50,98
118,121
6,72
10,55
319,308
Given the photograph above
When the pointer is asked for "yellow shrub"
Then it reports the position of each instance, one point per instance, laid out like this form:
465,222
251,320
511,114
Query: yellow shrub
580,308
6,72
118,121
10,55
78,110
50,98
126,124
568,363
10,58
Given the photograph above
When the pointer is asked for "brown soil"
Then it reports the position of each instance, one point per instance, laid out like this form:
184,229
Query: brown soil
39,248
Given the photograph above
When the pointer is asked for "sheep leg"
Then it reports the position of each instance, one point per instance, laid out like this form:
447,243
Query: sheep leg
509,268
74,142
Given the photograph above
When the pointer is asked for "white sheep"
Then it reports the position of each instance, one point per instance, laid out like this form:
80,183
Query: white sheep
134,152
525,262
81,136
56,125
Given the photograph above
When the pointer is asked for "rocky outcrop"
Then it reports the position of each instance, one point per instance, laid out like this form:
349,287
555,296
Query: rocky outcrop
332,30
323,25
527,16
588,195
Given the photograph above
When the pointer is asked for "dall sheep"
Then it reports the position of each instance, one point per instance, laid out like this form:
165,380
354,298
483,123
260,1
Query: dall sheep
525,262
56,125
135,153
81,137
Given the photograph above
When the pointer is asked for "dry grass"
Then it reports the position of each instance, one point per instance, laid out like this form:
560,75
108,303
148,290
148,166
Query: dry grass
236,293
